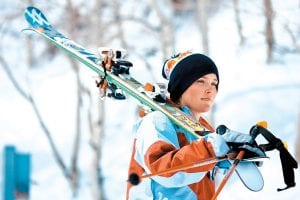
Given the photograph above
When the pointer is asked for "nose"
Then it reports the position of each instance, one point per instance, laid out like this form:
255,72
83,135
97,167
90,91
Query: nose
209,87
208,90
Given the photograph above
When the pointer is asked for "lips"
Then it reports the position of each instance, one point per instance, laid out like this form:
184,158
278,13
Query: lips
206,99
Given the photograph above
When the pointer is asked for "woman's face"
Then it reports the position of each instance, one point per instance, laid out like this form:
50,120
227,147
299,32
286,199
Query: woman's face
200,96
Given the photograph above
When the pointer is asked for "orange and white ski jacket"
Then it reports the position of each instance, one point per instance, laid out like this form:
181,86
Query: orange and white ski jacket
160,145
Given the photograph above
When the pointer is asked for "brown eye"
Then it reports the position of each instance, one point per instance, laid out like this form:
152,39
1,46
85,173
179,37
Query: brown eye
214,84
200,81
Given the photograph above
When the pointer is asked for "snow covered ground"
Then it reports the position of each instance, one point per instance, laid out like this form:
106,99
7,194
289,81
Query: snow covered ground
250,91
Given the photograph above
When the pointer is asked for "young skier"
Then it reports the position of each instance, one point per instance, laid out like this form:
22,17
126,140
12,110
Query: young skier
160,145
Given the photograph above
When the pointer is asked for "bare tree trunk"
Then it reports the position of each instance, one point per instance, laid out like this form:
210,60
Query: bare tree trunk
30,58
97,26
119,23
73,15
269,13
97,125
74,179
293,37
96,130
166,32
236,5
202,18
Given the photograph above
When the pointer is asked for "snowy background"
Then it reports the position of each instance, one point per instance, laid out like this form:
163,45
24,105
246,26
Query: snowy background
250,91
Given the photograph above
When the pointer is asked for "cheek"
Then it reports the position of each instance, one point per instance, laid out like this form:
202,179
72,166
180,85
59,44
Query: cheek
187,97
192,96
195,92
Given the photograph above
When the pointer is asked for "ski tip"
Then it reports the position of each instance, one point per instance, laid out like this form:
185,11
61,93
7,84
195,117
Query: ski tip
35,17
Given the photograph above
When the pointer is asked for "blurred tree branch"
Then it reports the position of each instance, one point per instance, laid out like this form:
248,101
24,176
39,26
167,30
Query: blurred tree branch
28,97
293,37
166,30
269,33
202,18
236,5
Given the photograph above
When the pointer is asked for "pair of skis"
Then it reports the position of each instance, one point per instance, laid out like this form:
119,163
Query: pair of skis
115,75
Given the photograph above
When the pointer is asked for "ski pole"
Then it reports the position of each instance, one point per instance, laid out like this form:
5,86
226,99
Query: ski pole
228,175
135,179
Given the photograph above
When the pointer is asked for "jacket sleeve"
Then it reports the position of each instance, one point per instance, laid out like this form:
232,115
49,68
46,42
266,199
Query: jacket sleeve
158,149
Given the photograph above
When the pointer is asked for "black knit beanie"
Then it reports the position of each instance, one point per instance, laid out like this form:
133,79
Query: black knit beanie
184,69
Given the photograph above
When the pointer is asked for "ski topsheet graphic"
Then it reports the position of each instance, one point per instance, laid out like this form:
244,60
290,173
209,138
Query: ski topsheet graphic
119,79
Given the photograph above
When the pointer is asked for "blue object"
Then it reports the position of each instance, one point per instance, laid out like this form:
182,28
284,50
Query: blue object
16,174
